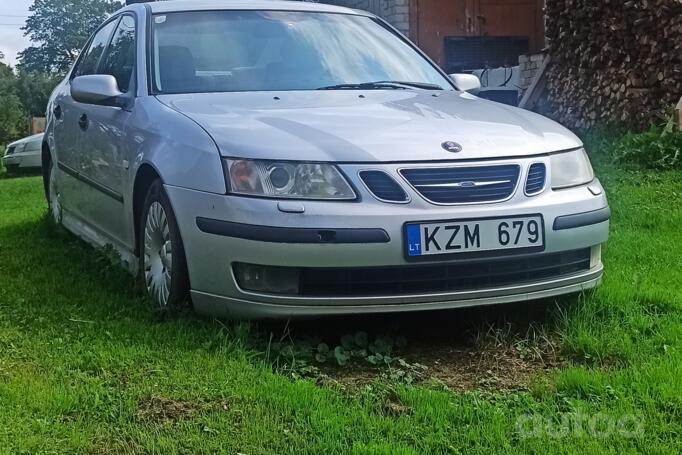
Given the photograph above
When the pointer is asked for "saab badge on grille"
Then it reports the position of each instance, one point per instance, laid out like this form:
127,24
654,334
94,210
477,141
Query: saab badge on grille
451,146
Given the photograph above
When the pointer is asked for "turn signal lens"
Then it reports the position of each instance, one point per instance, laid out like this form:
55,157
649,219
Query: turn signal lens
244,177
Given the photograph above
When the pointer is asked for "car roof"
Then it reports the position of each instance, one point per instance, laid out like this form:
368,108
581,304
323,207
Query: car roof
210,5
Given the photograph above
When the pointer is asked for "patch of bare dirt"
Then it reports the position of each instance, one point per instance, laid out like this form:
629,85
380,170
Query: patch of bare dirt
492,367
489,367
165,410
394,407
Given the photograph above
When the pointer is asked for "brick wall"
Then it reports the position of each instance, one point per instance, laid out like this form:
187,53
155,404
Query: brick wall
395,12
529,65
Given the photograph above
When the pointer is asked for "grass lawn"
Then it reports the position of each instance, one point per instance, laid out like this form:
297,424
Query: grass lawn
87,367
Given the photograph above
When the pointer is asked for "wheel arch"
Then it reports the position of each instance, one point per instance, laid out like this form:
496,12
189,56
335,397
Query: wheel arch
45,160
144,177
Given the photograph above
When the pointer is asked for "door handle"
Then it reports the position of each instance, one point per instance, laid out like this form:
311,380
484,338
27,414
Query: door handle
83,122
57,111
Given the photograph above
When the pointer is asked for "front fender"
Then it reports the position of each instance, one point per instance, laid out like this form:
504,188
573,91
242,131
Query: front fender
181,152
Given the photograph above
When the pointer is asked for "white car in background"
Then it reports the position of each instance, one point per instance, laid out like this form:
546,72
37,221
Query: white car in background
24,154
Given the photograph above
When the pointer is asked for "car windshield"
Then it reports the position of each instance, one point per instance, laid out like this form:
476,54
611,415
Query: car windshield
226,51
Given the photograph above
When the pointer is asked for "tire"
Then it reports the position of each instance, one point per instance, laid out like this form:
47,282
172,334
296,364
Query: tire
163,267
54,206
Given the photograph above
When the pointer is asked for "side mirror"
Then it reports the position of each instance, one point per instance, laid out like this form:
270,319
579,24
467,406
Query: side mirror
100,89
466,82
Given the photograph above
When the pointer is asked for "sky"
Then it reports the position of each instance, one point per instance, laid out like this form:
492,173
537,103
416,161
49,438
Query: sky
13,14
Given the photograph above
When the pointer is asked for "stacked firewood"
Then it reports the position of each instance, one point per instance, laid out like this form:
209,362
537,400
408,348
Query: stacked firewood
613,61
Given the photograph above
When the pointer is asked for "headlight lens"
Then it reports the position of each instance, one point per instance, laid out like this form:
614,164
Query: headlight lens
570,169
287,180
16,149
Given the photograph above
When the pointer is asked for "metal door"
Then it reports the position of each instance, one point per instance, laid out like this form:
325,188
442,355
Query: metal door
431,21
103,142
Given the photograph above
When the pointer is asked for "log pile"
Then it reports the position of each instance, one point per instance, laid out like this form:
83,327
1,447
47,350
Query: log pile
613,61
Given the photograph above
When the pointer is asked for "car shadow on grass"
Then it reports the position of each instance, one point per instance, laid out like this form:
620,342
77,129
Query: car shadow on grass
496,347
19,173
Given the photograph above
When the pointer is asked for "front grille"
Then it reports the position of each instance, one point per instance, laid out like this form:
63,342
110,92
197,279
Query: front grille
383,187
536,179
429,278
464,185
9,150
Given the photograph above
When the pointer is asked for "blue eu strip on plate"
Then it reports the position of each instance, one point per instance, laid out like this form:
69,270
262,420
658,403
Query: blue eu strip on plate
414,243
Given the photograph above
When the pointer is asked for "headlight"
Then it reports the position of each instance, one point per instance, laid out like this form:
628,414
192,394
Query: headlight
15,149
570,169
282,179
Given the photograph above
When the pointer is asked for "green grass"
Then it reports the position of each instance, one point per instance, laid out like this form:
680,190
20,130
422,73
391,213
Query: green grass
87,367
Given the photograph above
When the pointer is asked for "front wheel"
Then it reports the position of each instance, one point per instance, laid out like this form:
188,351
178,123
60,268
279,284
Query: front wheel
54,206
163,268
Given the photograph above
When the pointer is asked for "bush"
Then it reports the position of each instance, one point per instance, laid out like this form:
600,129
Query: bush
657,148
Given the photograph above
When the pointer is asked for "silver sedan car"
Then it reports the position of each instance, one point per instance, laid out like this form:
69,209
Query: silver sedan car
24,154
276,158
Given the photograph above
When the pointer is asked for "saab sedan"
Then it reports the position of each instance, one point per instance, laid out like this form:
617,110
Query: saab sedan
271,158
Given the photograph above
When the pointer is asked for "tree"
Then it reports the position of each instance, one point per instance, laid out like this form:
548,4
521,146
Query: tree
13,122
33,90
60,29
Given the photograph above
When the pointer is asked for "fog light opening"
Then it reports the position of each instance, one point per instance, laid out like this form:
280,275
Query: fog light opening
267,279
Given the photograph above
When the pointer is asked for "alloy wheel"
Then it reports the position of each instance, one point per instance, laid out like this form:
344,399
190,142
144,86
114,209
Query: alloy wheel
55,206
158,254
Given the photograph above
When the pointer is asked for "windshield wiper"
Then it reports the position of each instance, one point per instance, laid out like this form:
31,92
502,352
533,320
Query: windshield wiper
378,85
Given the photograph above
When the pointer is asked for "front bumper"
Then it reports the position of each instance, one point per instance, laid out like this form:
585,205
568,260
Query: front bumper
229,307
10,162
22,160
210,255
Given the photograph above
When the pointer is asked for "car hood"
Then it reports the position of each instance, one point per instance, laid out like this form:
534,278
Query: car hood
368,126
31,142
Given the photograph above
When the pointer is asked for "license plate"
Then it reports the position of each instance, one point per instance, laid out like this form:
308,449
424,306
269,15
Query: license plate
466,236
